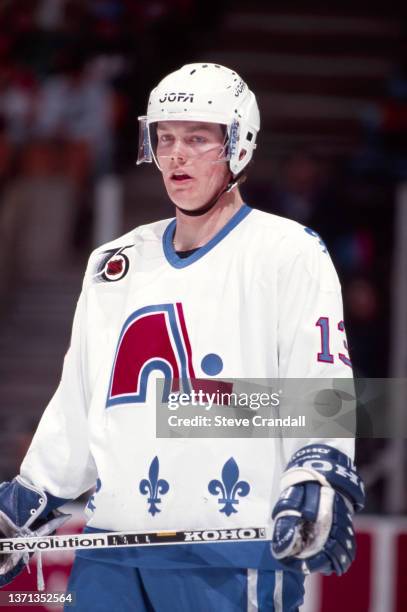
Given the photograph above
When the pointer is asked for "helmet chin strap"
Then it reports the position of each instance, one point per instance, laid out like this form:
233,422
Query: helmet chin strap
209,205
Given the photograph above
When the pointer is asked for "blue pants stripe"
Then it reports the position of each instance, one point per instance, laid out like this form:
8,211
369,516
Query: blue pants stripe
103,587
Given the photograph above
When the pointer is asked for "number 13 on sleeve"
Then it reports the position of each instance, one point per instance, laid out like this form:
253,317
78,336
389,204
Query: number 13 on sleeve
325,355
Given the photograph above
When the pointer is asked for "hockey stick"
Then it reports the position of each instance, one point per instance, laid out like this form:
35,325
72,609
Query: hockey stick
116,539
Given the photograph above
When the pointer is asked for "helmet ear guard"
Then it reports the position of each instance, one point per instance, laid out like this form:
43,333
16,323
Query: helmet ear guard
207,93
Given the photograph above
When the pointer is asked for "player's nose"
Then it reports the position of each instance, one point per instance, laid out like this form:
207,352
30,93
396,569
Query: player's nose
178,152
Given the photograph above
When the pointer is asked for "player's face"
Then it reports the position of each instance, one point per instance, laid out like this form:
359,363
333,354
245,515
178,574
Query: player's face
191,157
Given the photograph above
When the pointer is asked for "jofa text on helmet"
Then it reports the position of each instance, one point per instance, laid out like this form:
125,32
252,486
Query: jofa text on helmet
177,97
240,87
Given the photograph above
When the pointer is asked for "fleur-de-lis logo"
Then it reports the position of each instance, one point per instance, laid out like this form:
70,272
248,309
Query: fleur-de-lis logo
154,487
91,505
229,487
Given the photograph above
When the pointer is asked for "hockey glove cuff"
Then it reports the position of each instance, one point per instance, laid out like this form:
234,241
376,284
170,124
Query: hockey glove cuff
313,528
25,510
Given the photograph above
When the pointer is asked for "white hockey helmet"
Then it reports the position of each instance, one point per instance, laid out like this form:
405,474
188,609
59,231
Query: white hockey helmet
210,93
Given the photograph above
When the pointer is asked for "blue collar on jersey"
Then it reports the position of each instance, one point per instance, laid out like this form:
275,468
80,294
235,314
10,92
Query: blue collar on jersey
178,262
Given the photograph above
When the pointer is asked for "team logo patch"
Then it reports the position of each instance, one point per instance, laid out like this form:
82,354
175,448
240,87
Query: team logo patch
113,265
115,268
155,339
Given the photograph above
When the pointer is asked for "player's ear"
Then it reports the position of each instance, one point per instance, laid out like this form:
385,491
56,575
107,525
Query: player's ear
243,153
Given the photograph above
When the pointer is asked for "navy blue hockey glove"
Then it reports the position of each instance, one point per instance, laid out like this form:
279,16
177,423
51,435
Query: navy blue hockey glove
25,510
313,530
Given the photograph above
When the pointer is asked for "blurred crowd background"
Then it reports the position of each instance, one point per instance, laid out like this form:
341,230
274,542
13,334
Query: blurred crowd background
331,82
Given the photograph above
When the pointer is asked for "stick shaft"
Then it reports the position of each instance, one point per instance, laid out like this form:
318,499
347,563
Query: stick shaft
117,539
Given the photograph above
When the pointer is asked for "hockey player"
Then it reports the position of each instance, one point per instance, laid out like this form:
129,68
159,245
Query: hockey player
220,291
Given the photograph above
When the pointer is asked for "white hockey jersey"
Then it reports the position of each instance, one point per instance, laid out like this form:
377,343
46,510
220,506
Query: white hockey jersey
260,300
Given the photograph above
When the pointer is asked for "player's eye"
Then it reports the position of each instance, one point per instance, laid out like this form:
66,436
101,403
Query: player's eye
165,139
198,139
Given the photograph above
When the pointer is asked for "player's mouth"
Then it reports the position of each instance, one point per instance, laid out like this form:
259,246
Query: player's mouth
180,177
